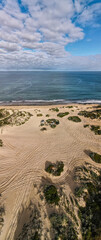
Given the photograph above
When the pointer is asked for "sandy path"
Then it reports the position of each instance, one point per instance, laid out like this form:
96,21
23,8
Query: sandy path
25,151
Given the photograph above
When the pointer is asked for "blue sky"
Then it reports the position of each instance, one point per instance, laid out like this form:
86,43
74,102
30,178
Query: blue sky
58,35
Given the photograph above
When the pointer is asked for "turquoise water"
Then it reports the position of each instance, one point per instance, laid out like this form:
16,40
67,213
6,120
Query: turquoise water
50,87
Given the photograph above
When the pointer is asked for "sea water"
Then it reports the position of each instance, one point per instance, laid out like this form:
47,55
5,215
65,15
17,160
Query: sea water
47,87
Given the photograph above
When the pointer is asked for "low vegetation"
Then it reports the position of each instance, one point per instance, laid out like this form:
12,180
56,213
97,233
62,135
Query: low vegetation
69,107
39,115
62,114
3,113
14,117
95,156
63,227
1,143
55,168
74,119
43,129
95,114
32,229
72,217
96,129
2,213
86,125
51,195
54,109
52,122
89,190
99,106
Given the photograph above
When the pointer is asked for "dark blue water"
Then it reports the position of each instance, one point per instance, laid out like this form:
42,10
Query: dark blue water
44,87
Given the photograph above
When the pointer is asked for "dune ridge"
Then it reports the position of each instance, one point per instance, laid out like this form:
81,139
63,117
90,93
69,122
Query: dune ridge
25,151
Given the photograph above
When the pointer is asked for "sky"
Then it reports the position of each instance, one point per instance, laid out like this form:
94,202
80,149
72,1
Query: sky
50,35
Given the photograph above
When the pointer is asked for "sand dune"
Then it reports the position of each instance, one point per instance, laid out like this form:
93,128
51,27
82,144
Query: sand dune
26,150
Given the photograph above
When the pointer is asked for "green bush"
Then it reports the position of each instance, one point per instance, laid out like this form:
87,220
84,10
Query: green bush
95,157
62,114
91,114
79,190
52,122
36,236
55,109
51,195
62,231
55,168
1,143
90,214
43,129
1,115
86,125
74,119
69,107
96,129
39,115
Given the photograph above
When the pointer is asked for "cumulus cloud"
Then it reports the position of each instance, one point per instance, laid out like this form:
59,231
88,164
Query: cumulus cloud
33,34
90,13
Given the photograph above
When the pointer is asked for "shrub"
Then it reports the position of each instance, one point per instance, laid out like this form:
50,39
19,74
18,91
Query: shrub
43,129
90,214
51,195
52,122
91,114
86,125
99,106
69,107
79,190
95,157
96,129
55,169
62,114
55,109
1,115
1,143
74,119
39,115
63,227
36,236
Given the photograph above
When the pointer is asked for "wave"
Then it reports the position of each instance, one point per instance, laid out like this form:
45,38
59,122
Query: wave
47,102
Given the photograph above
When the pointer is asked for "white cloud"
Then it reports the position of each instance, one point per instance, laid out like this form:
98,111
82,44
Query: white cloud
90,13
9,46
39,35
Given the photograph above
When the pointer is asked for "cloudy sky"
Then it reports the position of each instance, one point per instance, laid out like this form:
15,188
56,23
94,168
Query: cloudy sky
50,35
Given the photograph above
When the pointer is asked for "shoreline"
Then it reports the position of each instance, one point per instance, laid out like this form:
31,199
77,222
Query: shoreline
48,102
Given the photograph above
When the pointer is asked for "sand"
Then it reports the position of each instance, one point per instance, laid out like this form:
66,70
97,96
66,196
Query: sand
26,150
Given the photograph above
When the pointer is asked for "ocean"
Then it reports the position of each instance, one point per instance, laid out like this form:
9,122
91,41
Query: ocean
49,87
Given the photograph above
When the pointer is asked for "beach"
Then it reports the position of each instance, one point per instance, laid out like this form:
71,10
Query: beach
28,147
